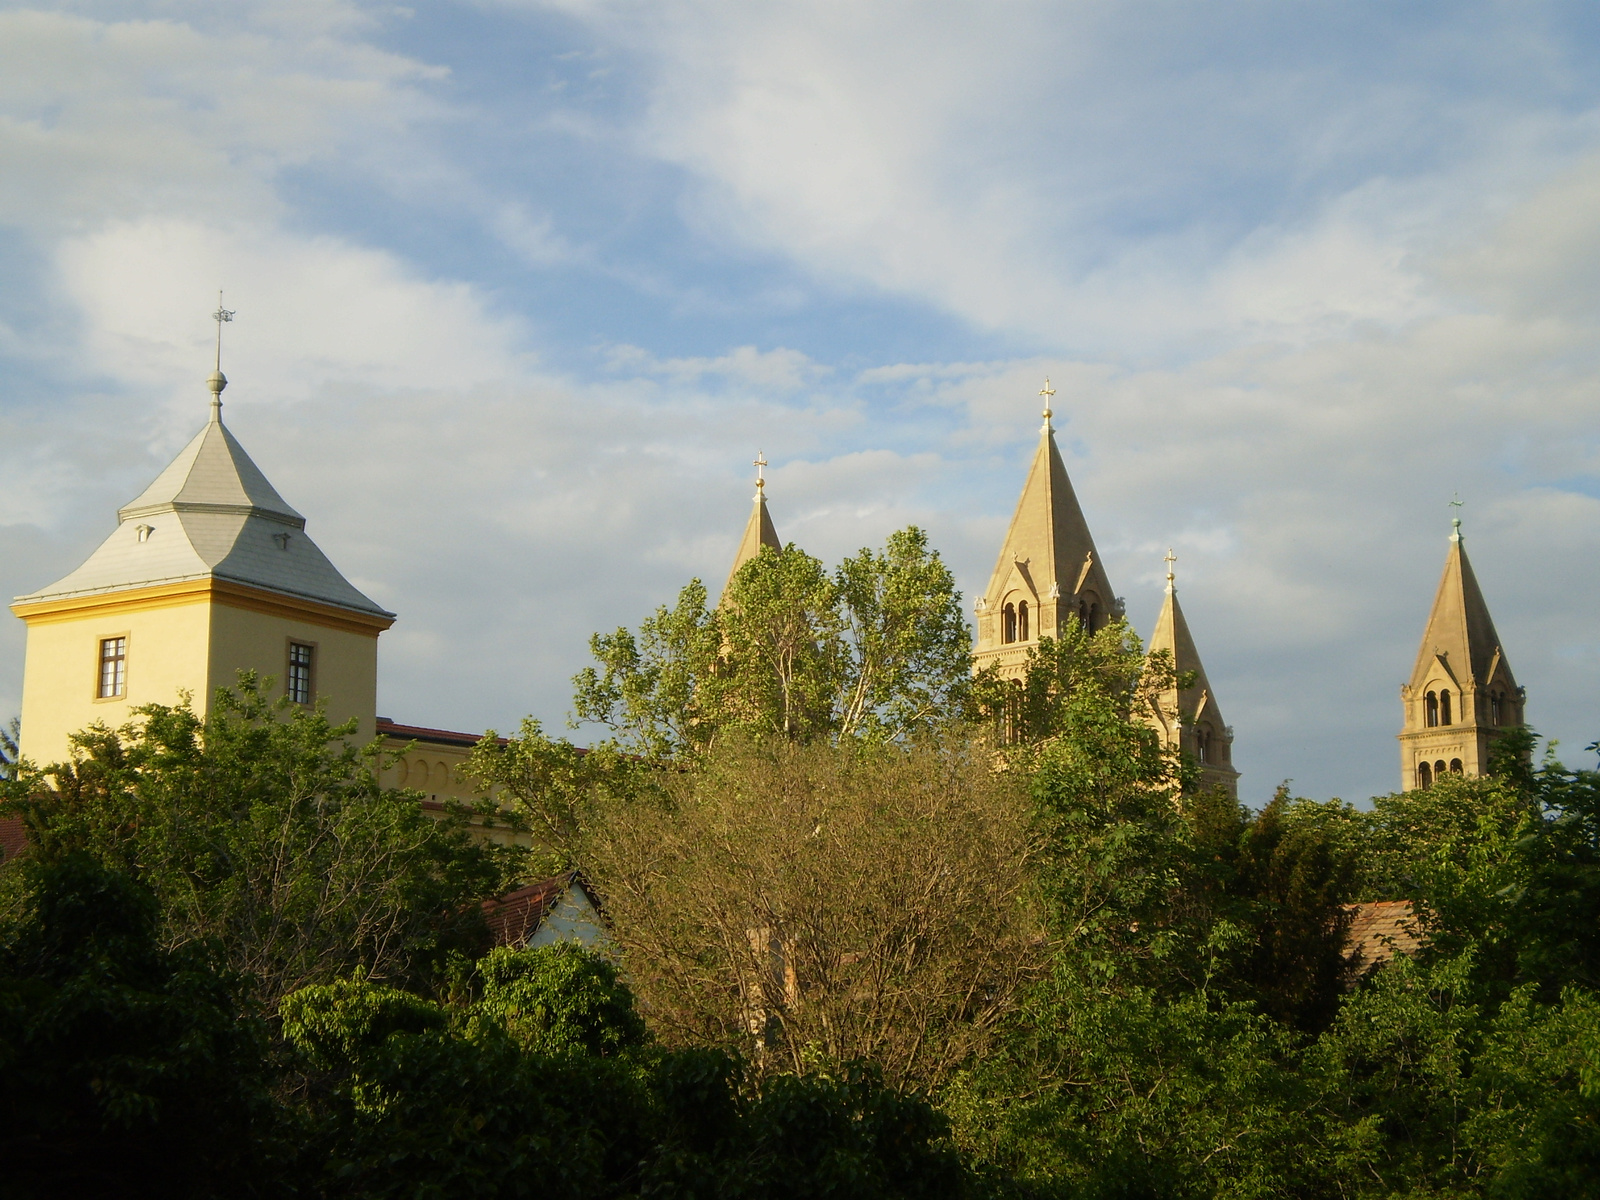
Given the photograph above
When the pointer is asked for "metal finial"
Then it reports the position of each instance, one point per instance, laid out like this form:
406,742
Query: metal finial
218,380
1169,560
1047,391
1455,521
760,466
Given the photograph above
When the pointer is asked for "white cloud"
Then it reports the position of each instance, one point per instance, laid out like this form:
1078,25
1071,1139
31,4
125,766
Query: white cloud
309,309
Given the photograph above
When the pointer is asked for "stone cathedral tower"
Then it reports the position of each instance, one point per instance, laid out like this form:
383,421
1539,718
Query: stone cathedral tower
759,530
1462,693
1048,572
1188,718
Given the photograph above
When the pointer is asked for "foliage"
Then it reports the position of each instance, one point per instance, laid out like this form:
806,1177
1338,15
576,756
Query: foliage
535,1090
649,687
559,1000
910,647
261,830
126,1067
552,789
10,755
818,904
876,651
129,1068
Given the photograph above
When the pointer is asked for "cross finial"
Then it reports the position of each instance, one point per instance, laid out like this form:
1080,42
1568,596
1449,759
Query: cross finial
218,380
1455,521
760,466
1047,391
1169,560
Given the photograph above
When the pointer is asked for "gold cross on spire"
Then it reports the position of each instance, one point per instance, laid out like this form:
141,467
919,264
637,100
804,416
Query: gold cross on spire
1169,560
760,466
1455,521
1047,392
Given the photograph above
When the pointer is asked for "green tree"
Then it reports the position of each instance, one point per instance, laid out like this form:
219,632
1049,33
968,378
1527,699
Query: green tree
259,828
910,648
126,1067
649,686
877,650
552,789
10,755
783,664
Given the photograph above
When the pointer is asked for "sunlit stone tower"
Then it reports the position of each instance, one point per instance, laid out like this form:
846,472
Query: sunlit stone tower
1462,694
1048,572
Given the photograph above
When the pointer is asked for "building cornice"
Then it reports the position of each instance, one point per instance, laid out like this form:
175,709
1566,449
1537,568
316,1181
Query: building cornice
204,589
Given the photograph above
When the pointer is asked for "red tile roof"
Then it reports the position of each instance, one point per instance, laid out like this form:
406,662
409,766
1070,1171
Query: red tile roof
13,838
516,916
422,733
1380,929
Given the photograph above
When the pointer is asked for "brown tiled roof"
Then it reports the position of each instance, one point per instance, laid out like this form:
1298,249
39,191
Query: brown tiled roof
421,733
1380,929
13,838
516,916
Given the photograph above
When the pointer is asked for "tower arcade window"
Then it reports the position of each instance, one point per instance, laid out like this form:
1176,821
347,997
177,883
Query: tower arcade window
301,660
1455,766
113,668
1430,709
1202,744
1444,707
1424,775
1439,769
1022,621
1010,621
1496,711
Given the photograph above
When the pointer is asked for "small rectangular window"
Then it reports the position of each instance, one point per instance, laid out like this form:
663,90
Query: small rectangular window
113,667
300,660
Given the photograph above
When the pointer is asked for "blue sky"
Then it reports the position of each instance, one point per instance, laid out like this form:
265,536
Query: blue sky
523,286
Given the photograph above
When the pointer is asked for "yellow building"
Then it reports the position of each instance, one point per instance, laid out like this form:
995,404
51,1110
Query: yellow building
1462,695
207,573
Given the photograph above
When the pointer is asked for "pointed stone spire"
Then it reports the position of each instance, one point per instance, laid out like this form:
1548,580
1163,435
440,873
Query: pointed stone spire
1462,694
1048,572
759,530
1189,718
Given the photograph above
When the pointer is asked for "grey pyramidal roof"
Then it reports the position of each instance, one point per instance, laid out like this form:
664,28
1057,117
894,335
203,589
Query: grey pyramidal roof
211,514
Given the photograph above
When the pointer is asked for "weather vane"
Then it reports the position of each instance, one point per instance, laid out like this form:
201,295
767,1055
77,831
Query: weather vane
220,316
218,380
1455,522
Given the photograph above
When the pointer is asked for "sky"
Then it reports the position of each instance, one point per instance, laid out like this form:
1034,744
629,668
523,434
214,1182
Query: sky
522,287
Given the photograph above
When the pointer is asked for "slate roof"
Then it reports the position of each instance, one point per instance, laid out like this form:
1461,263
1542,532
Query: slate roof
211,514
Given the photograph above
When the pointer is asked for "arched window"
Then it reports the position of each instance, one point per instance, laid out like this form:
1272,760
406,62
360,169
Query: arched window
1022,621
1424,775
1455,766
1094,617
1083,613
1430,709
1495,701
1202,743
1439,769
1010,634
1444,706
